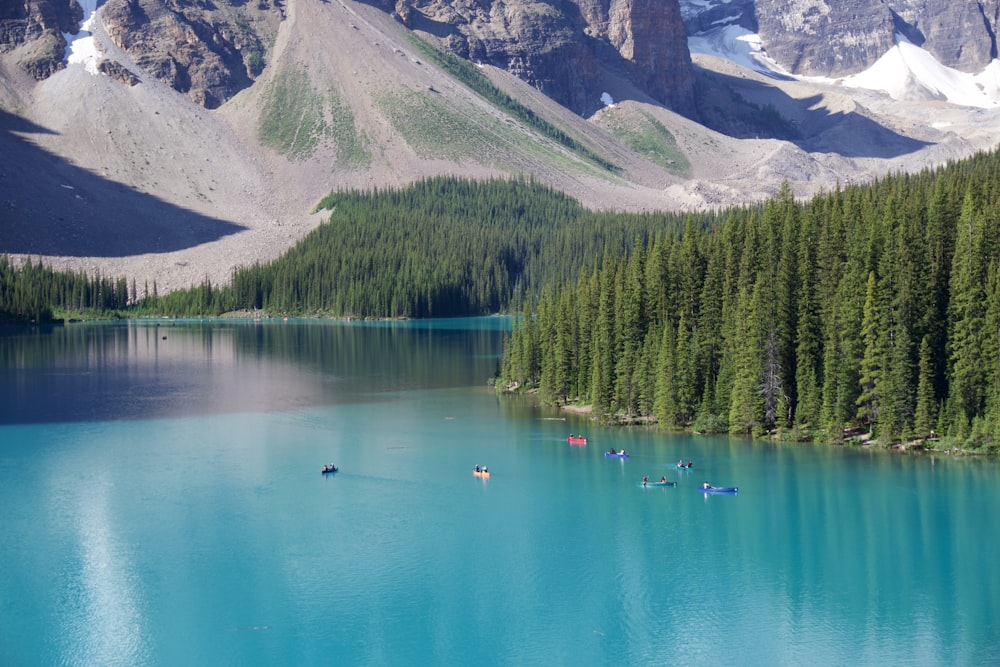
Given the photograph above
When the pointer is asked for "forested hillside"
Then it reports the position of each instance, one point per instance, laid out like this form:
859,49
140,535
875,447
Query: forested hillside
874,307
442,247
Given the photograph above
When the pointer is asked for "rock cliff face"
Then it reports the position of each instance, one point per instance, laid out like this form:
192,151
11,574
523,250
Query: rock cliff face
212,50
650,35
557,46
33,29
208,51
841,37
704,15
532,40
962,35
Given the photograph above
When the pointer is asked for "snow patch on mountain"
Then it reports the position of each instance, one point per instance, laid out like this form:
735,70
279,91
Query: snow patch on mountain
82,48
905,72
736,44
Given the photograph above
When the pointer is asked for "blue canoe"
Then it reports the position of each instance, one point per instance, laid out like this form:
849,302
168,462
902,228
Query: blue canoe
616,455
719,489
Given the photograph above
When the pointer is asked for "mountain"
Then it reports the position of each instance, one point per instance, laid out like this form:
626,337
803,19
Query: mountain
836,39
173,140
565,49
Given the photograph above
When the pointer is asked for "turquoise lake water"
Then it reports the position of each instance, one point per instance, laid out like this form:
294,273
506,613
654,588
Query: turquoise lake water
162,504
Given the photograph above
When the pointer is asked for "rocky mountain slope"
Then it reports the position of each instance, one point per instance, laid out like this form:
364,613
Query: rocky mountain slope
835,39
179,139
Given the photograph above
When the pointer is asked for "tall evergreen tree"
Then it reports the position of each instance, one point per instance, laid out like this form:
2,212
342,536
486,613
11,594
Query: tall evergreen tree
873,359
603,348
808,352
746,402
967,313
925,412
666,406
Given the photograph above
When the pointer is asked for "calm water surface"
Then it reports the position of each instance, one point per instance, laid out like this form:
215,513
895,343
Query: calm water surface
162,503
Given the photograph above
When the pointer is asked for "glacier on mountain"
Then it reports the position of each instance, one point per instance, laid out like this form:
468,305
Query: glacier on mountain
904,72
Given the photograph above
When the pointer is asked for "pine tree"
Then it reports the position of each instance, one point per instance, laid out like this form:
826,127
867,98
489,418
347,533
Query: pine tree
685,380
808,352
991,353
587,310
630,332
872,361
665,407
708,342
603,348
746,402
967,313
645,372
925,414
782,324
550,380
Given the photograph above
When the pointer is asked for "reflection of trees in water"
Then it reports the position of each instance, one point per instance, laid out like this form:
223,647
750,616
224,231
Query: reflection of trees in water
140,370
385,356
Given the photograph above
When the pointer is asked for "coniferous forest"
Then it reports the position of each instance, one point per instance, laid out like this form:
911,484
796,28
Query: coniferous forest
443,247
873,308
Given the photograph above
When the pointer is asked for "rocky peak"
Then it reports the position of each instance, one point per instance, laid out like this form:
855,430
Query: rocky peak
211,50
33,30
559,46
205,50
650,35
704,15
825,37
961,35
842,37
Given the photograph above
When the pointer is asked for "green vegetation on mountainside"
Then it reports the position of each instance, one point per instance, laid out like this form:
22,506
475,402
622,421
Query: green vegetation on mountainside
647,137
435,130
295,119
466,73
352,144
441,247
291,119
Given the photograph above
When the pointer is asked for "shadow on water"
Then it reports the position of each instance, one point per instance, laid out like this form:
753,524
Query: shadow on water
49,206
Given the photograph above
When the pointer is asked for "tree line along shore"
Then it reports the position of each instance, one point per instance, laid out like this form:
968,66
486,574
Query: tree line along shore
869,309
